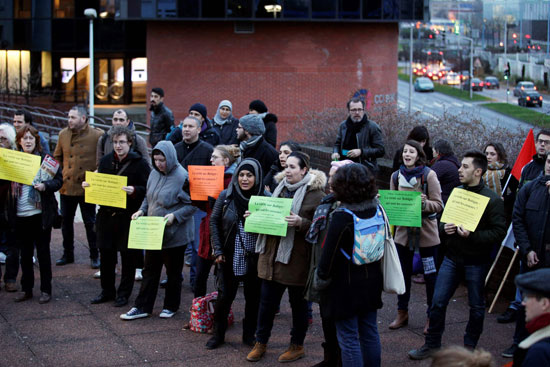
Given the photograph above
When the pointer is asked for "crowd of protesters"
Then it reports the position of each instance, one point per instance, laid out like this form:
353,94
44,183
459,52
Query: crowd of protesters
314,261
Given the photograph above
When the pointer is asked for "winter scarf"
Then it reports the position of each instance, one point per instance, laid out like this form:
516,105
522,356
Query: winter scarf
492,178
218,119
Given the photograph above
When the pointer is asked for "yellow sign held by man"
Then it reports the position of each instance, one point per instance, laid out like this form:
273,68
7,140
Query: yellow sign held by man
464,208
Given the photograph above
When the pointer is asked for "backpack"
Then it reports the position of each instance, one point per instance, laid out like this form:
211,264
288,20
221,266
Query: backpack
369,237
202,314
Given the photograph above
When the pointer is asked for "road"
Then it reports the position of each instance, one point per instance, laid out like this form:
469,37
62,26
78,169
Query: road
434,104
499,95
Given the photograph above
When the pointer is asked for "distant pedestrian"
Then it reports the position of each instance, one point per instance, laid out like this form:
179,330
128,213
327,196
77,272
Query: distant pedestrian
162,118
270,120
226,124
253,145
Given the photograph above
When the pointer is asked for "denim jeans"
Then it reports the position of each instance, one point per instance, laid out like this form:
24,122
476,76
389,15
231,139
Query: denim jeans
199,214
359,341
270,297
68,210
445,286
429,257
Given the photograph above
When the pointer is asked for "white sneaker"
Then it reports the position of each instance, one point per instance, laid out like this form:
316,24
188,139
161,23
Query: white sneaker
139,276
166,314
97,275
2,258
134,313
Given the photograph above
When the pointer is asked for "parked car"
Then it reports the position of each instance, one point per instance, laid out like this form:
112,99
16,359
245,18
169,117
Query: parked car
530,98
476,84
464,74
491,82
423,85
451,79
524,86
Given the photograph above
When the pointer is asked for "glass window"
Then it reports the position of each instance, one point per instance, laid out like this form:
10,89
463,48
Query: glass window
213,8
372,9
147,9
139,80
63,8
406,9
3,71
166,9
188,8
349,9
390,9
46,69
22,8
323,9
296,8
240,8
107,8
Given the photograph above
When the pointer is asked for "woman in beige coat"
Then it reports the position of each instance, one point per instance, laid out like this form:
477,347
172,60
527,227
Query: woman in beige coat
413,175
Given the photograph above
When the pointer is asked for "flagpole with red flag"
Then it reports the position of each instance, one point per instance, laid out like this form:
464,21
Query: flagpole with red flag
528,150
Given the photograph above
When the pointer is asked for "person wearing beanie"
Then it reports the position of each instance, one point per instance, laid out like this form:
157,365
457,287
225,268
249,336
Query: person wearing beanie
162,119
259,108
226,124
250,132
207,133
535,349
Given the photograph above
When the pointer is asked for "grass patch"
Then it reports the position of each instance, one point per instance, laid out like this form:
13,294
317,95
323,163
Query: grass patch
531,116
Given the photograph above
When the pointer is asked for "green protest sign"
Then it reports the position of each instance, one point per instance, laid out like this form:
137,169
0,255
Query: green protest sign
267,215
146,233
404,208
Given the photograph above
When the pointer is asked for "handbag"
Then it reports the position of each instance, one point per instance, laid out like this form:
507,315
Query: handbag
393,280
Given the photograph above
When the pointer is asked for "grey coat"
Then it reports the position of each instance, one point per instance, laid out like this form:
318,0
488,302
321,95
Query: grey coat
165,195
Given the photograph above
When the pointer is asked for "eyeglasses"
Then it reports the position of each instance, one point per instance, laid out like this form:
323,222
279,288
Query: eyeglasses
543,142
120,142
356,110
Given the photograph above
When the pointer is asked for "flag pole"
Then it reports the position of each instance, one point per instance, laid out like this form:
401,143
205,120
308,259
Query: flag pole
506,185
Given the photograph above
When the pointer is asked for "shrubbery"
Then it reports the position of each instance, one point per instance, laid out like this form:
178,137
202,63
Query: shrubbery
465,131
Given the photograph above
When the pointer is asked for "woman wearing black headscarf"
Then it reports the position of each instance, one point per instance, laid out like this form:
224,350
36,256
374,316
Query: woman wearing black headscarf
234,249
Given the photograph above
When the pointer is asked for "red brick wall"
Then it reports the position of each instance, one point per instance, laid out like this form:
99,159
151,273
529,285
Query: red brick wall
292,67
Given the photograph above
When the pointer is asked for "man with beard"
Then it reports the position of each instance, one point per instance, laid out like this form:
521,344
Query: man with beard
359,139
162,118
76,152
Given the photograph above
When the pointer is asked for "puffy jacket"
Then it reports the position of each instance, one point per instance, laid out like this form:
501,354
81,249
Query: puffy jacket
165,195
162,120
369,140
76,151
113,224
530,216
446,168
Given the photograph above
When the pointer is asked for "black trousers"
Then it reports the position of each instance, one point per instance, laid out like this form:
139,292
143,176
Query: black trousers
201,277
29,232
331,347
172,258
12,258
68,210
129,259
226,295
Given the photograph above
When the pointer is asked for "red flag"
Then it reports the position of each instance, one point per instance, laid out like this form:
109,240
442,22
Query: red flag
528,150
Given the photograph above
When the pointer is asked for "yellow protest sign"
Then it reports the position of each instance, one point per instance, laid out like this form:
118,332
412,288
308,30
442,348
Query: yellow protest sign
105,189
18,166
464,208
146,233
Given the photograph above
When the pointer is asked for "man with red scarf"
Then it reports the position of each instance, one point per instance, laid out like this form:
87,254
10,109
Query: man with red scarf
535,349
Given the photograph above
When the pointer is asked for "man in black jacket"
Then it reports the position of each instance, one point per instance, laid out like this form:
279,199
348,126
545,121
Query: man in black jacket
162,118
467,253
359,139
253,145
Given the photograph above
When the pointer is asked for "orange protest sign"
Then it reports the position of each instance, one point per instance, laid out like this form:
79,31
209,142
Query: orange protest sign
205,181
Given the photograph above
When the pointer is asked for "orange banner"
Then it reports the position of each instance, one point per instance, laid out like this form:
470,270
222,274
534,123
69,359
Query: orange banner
205,181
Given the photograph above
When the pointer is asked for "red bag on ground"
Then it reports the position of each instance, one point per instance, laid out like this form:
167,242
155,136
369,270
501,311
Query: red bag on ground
202,314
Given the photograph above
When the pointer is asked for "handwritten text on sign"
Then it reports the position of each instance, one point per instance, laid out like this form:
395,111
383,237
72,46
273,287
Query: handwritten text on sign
267,215
464,208
205,181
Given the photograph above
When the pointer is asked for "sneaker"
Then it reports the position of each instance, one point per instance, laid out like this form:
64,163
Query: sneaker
293,353
2,258
257,353
97,275
134,313
510,351
139,276
166,314
422,353
507,317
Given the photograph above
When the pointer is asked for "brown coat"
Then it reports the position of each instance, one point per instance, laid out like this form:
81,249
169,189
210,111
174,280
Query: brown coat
77,154
297,270
429,233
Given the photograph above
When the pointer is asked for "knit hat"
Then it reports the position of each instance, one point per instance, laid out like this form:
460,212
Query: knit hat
257,106
200,108
253,124
158,91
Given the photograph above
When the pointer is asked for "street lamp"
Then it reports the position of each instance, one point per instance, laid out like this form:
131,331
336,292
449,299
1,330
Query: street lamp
273,9
91,14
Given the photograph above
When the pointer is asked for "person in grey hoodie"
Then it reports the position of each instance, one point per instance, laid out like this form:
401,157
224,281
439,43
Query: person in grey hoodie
166,198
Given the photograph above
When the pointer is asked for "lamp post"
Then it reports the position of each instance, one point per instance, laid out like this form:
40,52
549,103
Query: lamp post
273,9
91,14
